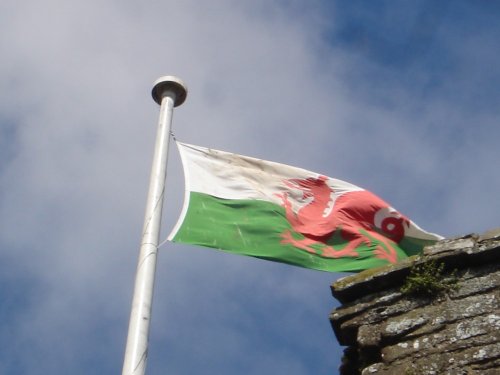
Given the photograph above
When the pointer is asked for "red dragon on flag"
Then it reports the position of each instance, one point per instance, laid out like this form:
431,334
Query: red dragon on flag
359,217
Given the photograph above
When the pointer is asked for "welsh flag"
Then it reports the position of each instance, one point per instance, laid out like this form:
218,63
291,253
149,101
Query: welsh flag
281,213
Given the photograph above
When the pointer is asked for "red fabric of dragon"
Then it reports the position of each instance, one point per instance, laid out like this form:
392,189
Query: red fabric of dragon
354,213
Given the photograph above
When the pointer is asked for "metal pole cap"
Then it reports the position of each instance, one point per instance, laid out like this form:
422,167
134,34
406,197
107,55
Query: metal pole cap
172,84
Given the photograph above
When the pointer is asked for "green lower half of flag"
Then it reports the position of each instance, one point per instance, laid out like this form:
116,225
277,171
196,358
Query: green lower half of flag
260,229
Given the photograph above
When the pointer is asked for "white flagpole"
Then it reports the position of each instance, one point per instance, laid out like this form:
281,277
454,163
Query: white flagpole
169,92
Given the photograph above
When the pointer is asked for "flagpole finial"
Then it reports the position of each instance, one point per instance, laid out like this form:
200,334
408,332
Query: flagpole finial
171,84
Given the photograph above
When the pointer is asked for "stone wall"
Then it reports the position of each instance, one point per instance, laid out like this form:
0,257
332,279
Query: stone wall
433,314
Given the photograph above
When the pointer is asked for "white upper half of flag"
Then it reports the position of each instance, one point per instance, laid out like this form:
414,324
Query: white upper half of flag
231,176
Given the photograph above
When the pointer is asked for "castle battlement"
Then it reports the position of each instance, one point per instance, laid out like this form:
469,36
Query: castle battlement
438,313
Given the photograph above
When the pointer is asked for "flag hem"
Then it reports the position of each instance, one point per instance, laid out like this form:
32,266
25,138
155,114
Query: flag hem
187,185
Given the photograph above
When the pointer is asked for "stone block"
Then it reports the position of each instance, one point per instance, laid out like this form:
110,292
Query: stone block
454,332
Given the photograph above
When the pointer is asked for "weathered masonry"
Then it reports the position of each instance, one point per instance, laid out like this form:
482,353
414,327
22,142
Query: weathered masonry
438,313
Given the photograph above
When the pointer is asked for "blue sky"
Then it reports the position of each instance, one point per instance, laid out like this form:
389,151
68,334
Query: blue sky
401,98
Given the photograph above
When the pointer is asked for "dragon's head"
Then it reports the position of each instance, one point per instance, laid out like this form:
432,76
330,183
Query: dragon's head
306,185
